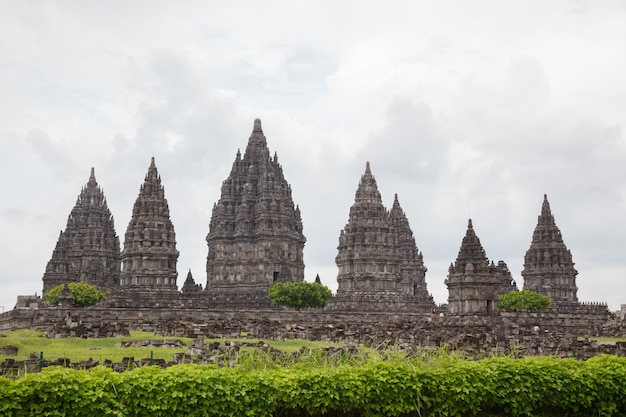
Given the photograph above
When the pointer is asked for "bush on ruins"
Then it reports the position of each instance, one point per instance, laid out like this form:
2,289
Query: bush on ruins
83,294
523,301
300,294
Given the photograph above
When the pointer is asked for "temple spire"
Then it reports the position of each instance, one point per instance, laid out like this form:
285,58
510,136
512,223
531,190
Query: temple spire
190,285
256,219
475,283
149,256
367,191
92,178
471,251
379,264
89,248
548,265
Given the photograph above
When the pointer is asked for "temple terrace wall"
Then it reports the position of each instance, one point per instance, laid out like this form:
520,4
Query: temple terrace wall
539,333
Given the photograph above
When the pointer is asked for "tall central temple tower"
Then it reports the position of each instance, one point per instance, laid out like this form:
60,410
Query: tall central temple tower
379,264
255,235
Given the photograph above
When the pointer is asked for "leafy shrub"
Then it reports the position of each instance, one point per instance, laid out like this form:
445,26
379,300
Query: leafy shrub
447,386
84,294
300,294
523,300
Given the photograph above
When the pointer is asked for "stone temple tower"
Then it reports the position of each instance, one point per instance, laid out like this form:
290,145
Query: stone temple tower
89,249
255,234
412,267
149,256
474,284
378,261
548,266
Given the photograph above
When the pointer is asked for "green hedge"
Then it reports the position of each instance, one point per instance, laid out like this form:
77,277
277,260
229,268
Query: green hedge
501,386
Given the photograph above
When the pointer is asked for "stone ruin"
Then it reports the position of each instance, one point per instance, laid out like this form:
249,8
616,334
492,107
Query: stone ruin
88,250
474,284
379,264
548,266
255,235
149,256
256,239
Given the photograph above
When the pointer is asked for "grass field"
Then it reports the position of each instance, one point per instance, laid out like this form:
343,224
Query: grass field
77,349
604,340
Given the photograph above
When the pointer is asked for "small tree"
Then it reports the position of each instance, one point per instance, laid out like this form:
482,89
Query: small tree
84,294
523,300
300,294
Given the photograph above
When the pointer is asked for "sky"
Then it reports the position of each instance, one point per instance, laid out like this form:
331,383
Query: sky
465,109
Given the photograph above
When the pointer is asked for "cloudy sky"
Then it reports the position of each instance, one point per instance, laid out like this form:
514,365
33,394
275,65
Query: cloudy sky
464,108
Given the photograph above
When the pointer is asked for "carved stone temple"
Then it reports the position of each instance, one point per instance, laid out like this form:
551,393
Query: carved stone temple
474,283
149,256
255,234
255,240
548,266
89,249
379,264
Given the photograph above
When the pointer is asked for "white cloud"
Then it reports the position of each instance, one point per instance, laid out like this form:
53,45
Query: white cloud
464,109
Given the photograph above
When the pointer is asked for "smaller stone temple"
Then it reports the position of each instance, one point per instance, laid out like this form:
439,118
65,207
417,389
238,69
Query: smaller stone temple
474,283
149,256
190,286
89,248
255,235
548,266
379,264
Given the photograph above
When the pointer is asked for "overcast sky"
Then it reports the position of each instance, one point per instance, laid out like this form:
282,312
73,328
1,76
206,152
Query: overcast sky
464,108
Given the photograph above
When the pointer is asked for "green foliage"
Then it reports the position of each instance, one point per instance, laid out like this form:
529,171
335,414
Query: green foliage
300,294
84,294
439,386
523,300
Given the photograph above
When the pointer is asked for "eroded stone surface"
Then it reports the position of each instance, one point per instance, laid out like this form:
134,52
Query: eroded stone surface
474,283
548,265
149,256
89,248
379,264
255,235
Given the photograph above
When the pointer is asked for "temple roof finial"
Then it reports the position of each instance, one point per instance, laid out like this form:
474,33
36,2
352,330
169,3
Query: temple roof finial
257,125
92,177
546,213
469,224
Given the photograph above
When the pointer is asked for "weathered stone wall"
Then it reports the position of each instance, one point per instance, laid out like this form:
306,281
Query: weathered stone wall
546,332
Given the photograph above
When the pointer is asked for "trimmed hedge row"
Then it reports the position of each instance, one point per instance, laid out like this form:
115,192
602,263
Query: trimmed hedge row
501,386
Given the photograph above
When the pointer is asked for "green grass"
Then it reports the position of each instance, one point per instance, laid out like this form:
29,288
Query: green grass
78,349
604,340
294,345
